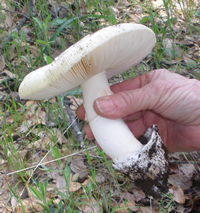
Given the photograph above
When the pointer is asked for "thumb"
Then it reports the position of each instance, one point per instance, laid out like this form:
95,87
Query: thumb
124,103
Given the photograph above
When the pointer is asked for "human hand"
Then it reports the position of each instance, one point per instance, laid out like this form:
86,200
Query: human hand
159,97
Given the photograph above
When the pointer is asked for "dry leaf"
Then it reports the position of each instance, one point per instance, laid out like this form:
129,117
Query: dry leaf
12,52
41,116
77,166
147,210
8,21
9,74
134,18
31,103
4,194
2,62
32,202
181,180
171,49
89,206
129,196
115,12
6,209
99,177
73,186
187,169
178,194
33,49
157,3
188,61
31,111
123,207
14,203
61,184
125,3
56,133
139,194
10,119
25,126
36,114
52,165
75,102
41,143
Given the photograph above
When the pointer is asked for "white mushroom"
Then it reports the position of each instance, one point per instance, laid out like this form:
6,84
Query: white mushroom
88,64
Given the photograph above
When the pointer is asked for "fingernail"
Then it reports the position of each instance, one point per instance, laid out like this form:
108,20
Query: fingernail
105,104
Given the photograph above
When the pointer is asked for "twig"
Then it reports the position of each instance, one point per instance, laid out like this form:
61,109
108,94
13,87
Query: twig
74,124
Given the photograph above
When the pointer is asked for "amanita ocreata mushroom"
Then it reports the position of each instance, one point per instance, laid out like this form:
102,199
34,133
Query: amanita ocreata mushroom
88,64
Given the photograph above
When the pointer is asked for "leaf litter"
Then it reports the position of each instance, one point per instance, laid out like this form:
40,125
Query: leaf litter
30,128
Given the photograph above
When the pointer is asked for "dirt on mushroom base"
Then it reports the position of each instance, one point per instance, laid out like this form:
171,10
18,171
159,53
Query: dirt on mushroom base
148,167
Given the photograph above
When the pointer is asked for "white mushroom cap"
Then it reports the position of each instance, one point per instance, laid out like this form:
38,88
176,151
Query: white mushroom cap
113,49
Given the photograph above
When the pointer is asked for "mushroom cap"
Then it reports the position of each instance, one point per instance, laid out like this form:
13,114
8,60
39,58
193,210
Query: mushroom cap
113,49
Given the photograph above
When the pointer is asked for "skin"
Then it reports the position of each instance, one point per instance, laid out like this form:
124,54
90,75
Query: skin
159,97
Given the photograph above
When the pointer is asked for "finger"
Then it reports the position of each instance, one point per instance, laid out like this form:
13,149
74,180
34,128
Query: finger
80,112
139,127
127,102
131,84
158,92
88,132
132,117
134,95
137,82
98,145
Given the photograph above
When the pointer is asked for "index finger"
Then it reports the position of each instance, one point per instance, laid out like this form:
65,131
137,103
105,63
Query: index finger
135,83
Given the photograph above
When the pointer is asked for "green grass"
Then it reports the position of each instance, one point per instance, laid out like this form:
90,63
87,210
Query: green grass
46,33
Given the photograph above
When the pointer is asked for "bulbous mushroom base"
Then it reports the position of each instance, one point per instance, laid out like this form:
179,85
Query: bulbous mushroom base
147,167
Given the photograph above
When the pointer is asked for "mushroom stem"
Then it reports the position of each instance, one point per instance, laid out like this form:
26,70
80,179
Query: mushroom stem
113,136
